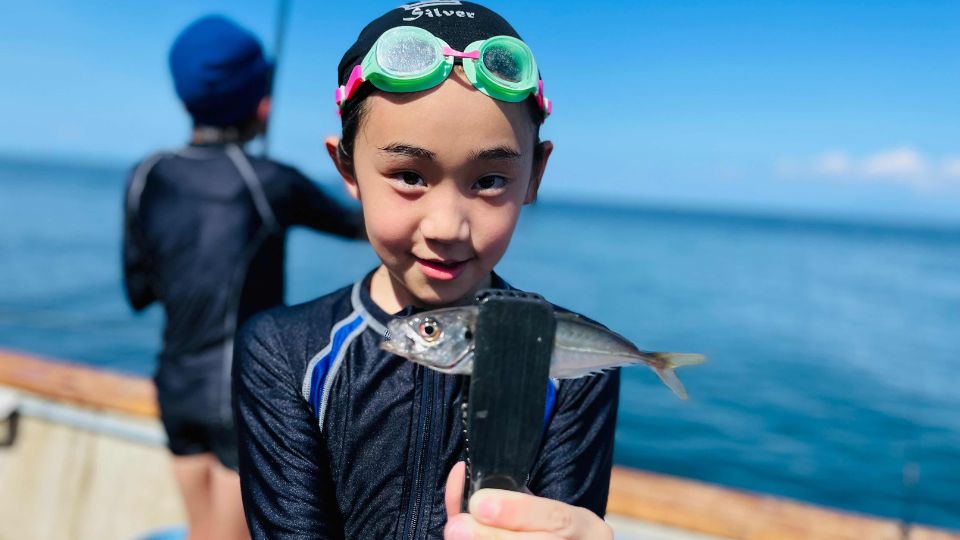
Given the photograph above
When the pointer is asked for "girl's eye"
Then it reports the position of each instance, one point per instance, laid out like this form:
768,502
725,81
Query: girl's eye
409,179
492,182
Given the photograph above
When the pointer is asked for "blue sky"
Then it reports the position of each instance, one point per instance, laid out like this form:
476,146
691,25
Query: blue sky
836,107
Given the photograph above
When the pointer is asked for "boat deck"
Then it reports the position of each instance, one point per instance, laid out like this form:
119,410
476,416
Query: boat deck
89,463
76,482
63,482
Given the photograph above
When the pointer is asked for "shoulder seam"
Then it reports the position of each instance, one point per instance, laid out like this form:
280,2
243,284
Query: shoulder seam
250,178
139,181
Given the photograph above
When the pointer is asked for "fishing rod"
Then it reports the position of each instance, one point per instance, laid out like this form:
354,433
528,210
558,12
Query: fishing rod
280,34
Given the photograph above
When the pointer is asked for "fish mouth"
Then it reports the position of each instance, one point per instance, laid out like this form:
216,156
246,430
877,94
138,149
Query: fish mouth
396,345
395,338
388,346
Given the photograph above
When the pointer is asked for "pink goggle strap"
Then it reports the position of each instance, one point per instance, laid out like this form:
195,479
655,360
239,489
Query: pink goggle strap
347,91
545,104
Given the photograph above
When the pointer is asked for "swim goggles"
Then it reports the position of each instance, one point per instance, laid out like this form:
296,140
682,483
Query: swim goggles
411,59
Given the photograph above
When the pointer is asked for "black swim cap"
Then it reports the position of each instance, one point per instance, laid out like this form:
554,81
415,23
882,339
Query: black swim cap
457,23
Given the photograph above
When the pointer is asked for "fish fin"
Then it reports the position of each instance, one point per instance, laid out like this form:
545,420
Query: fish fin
577,372
568,315
580,373
674,360
670,379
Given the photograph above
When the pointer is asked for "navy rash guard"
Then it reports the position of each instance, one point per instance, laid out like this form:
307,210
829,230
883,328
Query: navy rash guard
204,234
339,439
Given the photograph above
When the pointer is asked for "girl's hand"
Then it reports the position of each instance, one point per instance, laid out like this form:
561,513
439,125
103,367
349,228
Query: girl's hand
501,515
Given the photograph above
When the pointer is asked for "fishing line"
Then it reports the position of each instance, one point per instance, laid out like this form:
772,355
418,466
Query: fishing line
283,15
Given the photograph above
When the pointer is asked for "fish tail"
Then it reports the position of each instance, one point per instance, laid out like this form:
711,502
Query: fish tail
670,379
669,361
674,360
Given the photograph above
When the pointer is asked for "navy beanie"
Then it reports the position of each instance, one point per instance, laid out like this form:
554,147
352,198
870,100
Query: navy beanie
219,71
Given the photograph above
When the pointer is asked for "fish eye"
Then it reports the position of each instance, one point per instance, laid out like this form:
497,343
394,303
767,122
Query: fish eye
468,335
430,329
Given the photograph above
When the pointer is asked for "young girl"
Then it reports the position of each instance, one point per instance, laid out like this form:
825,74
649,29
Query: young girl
441,105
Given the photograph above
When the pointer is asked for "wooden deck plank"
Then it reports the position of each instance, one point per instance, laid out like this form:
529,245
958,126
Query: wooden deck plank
78,384
729,513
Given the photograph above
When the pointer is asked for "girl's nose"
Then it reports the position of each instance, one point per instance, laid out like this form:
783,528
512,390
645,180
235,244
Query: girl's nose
446,220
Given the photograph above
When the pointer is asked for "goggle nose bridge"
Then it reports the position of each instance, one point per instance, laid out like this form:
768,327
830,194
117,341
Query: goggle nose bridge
448,51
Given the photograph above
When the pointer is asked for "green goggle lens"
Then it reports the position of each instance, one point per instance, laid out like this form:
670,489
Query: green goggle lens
506,60
404,53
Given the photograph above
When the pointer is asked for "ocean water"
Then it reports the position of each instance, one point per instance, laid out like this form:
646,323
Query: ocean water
834,348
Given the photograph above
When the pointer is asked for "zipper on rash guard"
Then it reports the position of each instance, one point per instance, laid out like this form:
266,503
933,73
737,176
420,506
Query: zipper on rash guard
423,429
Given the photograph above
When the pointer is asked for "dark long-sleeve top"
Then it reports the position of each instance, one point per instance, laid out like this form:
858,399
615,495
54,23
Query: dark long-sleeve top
339,439
204,234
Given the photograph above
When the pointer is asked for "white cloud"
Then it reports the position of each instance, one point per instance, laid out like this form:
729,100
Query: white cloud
903,165
896,163
951,167
833,163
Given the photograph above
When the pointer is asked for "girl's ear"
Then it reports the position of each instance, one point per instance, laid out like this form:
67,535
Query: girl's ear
332,143
539,166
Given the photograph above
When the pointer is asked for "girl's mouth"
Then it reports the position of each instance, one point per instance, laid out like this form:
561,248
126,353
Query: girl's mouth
442,270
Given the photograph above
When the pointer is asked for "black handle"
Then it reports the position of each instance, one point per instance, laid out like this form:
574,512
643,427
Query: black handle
507,391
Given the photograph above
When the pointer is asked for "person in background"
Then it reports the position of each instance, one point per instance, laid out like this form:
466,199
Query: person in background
204,235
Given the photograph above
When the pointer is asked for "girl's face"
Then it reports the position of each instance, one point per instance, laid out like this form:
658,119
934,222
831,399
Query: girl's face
441,175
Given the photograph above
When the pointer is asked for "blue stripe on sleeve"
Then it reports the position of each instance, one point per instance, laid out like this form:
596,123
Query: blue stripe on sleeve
322,367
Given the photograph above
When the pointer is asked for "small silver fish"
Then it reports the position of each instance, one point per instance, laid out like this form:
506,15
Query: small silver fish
442,340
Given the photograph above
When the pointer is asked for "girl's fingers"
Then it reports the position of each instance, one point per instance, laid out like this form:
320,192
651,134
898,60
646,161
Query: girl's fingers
506,515
465,527
521,512
453,493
